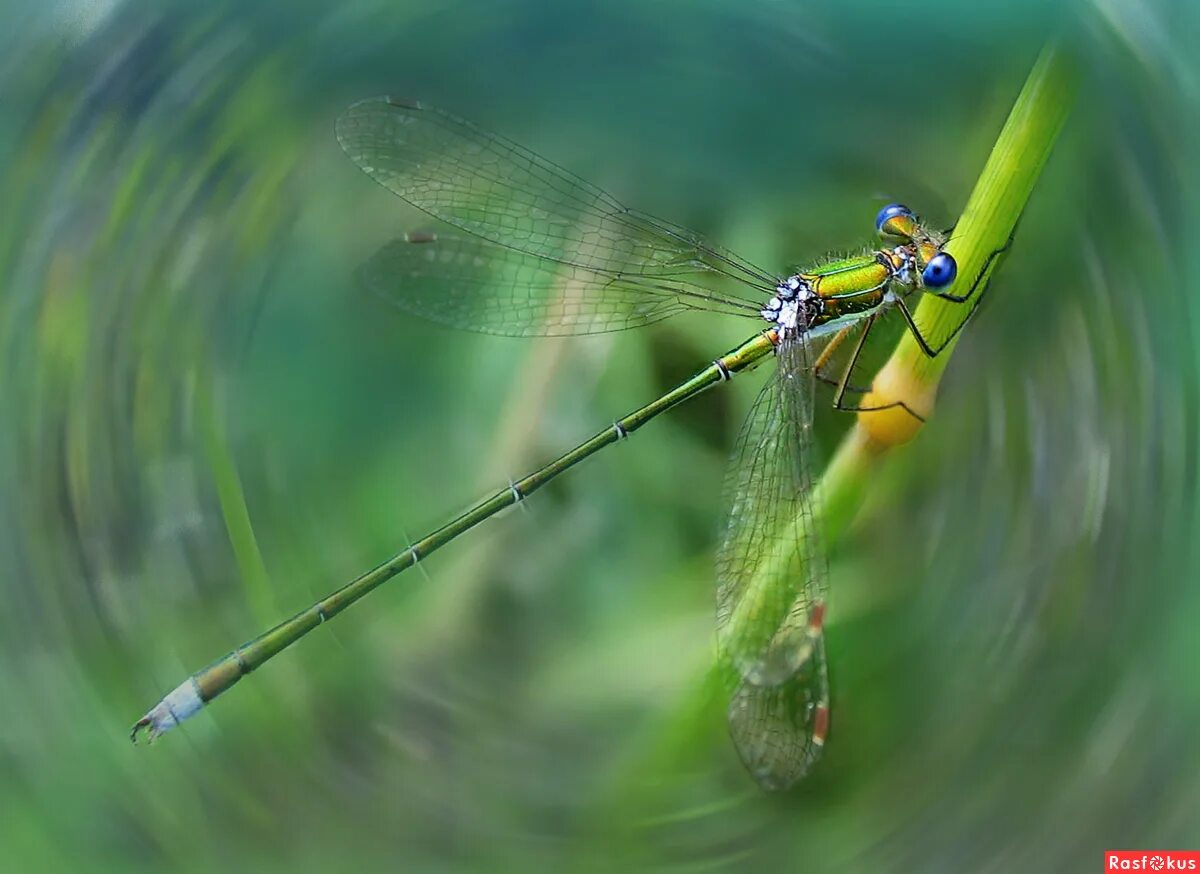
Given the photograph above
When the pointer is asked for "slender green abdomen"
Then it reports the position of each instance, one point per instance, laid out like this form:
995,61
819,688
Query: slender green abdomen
210,682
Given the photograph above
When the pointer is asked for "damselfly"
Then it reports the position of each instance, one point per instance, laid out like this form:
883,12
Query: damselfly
532,249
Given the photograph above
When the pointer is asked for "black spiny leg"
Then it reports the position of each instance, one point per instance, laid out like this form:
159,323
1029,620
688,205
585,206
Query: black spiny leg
983,275
843,384
979,277
823,359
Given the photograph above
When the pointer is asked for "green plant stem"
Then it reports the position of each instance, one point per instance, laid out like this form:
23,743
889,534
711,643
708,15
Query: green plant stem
990,217
986,226
978,243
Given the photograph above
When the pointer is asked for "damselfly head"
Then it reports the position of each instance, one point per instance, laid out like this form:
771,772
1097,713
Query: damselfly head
896,220
938,268
939,271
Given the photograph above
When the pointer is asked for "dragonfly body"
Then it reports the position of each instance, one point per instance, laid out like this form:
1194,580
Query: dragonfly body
544,253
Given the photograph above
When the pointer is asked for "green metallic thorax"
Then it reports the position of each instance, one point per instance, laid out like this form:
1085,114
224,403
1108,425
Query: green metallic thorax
852,285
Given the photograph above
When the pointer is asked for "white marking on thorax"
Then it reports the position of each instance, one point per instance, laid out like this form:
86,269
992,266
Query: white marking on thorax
902,274
784,308
788,314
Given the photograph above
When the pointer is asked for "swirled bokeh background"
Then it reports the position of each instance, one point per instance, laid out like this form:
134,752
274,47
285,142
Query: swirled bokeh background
206,426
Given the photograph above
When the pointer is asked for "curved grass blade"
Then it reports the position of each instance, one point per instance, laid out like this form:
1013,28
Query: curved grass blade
495,189
467,282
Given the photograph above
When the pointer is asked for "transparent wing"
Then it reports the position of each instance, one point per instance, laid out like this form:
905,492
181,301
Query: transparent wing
772,580
779,730
468,282
771,534
495,189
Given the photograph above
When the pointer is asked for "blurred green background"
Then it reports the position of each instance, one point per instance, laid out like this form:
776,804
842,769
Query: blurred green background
206,426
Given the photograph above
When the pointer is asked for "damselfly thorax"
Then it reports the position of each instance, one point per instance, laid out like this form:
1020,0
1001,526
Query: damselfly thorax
852,286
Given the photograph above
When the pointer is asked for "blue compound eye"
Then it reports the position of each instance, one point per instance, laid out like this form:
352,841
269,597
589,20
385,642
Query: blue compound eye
889,212
940,271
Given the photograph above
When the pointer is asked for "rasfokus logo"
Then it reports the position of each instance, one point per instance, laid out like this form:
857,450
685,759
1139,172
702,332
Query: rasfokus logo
1152,860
